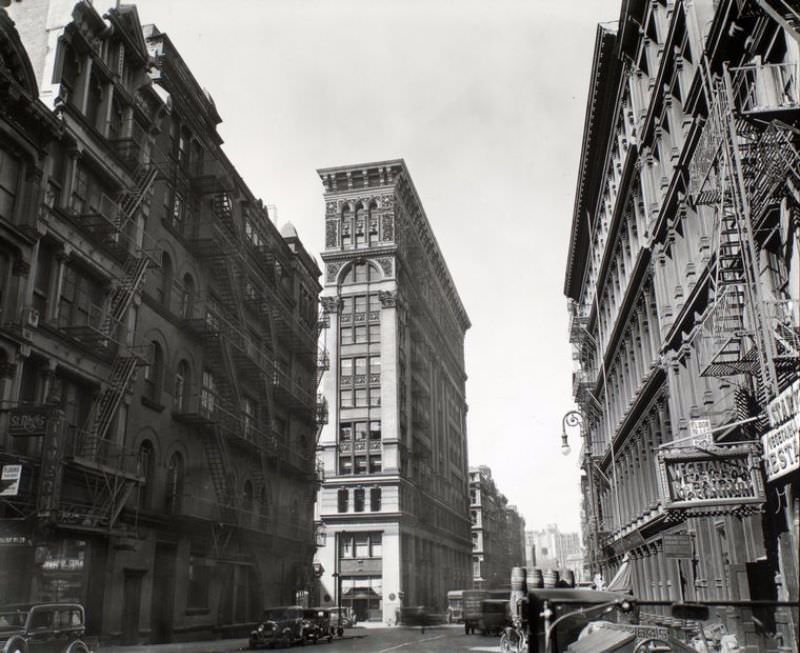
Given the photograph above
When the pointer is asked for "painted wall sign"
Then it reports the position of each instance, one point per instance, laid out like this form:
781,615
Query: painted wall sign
51,471
29,420
718,476
782,442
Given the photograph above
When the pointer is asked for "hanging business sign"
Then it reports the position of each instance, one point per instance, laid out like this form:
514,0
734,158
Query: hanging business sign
701,433
717,476
782,442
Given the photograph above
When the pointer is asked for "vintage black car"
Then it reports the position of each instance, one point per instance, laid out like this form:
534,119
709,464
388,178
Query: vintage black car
317,624
43,627
281,626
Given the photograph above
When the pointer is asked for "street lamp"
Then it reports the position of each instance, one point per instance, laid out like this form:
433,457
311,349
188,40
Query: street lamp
571,419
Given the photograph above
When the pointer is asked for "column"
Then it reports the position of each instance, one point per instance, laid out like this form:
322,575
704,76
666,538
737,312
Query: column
390,372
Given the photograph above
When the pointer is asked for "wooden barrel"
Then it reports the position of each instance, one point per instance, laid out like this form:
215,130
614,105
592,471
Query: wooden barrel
568,577
518,579
535,580
550,578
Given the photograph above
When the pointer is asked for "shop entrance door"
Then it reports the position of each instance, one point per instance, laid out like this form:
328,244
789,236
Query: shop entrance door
163,603
131,607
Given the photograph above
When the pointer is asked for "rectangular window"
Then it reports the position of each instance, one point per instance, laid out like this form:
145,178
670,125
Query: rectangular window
375,464
341,501
360,366
360,334
374,303
9,180
346,399
347,335
361,304
361,544
358,500
361,464
346,465
347,367
375,430
345,432
361,397
374,396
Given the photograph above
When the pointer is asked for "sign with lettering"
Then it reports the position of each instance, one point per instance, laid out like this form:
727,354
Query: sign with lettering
677,546
782,442
640,631
29,420
51,471
715,477
9,480
701,432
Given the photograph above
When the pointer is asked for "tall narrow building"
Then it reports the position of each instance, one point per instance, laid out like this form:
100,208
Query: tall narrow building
393,513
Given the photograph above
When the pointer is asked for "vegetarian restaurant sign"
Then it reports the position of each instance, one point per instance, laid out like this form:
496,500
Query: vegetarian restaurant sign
782,441
716,476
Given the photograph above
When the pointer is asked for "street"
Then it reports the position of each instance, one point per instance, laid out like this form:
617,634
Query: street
439,639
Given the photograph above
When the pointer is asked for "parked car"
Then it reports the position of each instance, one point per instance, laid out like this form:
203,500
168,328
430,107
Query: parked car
282,626
317,624
43,627
341,618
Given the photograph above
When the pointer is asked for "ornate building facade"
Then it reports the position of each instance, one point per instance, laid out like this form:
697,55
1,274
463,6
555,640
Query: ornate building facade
393,506
682,277
159,343
498,532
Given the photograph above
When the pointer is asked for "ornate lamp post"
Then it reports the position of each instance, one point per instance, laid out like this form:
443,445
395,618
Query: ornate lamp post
571,419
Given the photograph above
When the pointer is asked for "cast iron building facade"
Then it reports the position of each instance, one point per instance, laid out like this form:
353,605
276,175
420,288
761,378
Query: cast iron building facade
683,284
393,506
498,532
158,341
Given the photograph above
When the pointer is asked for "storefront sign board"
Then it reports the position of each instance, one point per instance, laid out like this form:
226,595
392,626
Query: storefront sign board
677,546
714,477
782,442
701,432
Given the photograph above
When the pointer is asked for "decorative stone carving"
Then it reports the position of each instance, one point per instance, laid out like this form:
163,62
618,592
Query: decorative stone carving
20,267
387,226
388,298
332,269
386,265
331,233
330,304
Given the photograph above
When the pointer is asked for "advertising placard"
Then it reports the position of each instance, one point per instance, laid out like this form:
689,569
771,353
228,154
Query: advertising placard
677,546
782,442
9,480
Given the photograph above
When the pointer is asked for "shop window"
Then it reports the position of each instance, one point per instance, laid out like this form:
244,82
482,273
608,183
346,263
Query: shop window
197,590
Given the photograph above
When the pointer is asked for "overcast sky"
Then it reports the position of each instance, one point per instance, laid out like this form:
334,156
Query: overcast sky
485,102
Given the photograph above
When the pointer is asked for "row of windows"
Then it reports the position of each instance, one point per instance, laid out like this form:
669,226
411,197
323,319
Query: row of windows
350,464
361,545
360,397
359,500
349,431
354,370
364,333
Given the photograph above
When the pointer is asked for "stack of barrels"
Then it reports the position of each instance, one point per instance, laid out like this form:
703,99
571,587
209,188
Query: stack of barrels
523,581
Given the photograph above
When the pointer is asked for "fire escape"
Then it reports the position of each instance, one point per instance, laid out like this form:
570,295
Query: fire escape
746,162
110,471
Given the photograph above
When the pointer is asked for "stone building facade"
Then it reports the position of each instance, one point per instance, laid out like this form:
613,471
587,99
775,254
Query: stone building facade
683,277
393,505
159,338
498,532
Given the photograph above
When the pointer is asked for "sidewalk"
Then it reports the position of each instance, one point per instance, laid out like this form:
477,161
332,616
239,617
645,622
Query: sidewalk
183,647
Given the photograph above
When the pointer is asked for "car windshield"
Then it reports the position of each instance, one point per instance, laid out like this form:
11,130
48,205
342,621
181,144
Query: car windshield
12,618
274,614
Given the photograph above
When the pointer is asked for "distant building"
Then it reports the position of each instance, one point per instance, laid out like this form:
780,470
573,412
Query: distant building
498,532
552,549
393,507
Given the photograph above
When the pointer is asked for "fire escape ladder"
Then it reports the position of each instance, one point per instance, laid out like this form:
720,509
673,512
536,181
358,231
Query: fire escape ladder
221,477
321,415
130,200
124,292
123,370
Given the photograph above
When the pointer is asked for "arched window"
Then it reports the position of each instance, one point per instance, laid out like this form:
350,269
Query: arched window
358,500
180,389
247,499
153,372
163,291
187,297
360,272
375,499
208,393
175,472
147,464
264,500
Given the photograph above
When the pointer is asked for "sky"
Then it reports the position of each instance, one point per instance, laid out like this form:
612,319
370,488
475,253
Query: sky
485,102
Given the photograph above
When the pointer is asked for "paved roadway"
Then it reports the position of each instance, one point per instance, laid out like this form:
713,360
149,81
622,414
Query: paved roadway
439,639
